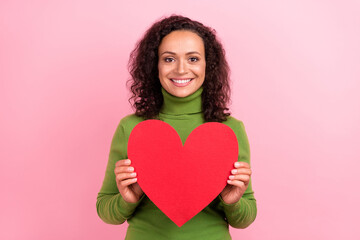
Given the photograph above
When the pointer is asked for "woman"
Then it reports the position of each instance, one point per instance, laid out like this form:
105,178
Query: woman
180,76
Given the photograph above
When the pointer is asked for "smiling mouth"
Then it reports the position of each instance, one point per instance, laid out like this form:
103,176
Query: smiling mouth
181,81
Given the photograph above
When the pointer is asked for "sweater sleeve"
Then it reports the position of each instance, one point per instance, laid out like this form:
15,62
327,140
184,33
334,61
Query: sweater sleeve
242,213
110,205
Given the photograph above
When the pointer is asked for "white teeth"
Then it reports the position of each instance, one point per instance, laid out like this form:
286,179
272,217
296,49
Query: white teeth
182,81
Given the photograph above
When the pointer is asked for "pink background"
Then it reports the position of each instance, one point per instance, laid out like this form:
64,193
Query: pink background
295,71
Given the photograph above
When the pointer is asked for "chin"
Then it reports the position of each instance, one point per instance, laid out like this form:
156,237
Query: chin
183,93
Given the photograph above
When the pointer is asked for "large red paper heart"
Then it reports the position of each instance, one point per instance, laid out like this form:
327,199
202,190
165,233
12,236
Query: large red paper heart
182,180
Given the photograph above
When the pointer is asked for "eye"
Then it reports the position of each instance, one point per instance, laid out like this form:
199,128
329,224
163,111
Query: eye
168,59
194,59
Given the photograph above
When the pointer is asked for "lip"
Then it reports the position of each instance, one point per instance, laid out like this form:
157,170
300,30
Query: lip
181,84
182,78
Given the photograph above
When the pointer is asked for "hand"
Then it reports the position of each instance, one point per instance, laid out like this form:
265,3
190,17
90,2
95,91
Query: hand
237,183
126,181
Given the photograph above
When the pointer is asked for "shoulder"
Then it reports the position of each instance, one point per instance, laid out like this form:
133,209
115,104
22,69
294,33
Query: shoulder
238,127
128,122
234,123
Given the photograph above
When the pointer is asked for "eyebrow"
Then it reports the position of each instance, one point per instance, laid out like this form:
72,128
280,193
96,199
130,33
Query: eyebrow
175,53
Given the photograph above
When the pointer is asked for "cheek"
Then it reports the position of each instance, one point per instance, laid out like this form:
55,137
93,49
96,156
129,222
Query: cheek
163,70
160,69
200,70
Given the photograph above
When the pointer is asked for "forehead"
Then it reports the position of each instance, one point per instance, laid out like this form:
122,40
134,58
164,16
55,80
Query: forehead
182,41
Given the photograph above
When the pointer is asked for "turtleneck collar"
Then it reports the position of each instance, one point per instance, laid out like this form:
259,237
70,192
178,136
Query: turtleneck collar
181,105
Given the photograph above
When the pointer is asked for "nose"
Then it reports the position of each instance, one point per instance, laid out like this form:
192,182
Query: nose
181,67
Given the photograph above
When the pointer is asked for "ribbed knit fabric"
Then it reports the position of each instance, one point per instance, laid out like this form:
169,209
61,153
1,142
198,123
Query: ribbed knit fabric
145,220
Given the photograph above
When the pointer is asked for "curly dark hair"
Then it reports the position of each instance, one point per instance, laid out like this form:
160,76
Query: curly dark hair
143,68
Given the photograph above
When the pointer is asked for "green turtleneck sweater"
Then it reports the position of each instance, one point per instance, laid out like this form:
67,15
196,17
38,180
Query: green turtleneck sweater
145,220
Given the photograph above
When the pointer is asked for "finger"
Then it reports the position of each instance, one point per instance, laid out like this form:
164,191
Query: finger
128,182
123,176
241,165
123,162
244,178
237,183
246,171
123,169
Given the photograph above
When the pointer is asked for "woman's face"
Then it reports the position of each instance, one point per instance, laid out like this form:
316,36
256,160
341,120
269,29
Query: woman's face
181,63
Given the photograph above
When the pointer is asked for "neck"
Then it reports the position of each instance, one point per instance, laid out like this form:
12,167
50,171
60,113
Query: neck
181,105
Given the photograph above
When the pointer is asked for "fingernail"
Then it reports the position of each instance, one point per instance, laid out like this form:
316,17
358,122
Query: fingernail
231,177
133,174
233,171
131,169
237,164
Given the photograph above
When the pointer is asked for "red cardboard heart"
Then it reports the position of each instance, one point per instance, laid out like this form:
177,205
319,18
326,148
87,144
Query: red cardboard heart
182,180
